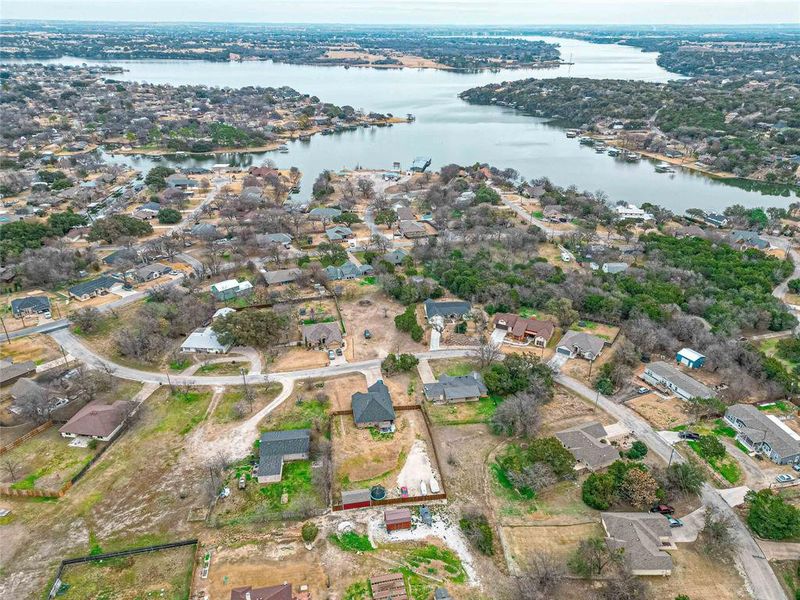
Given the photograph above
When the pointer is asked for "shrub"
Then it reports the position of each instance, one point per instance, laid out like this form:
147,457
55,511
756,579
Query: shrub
638,450
169,216
478,531
309,531
771,517
399,363
709,446
599,491
408,322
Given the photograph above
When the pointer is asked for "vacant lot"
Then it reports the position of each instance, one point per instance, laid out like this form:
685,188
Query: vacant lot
363,457
525,541
405,388
341,389
463,413
698,576
233,399
163,574
44,462
451,366
298,359
38,348
661,413
567,410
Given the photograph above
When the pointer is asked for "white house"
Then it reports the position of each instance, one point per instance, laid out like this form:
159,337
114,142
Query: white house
632,212
204,339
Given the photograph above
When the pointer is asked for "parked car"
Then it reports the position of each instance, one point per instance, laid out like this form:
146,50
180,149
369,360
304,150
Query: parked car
664,509
796,468
367,334
673,522
242,482
331,355
338,352
784,478
404,492
689,435
642,390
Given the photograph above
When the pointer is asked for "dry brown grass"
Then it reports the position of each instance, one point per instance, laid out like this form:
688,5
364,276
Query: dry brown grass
660,413
38,348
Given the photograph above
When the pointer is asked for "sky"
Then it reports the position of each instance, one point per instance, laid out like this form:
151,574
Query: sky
432,12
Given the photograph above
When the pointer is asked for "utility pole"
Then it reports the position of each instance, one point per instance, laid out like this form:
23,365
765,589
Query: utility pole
169,381
596,401
8,338
671,454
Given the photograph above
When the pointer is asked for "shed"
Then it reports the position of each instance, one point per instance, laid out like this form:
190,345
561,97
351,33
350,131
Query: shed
397,518
356,499
690,358
389,586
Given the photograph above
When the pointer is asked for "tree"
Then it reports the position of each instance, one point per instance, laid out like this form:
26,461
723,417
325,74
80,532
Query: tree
592,557
624,586
399,363
215,468
156,177
309,531
169,216
561,309
34,402
12,466
61,223
639,488
517,373
366,187
114,227
685,478
258,328
599,491
386,216
710,447
478,531
771,517
638,450
716,538
518,415
86,319
541,577
331,254
487,353
407,322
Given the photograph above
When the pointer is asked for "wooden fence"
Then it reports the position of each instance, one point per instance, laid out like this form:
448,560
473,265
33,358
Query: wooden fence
392,501
35,493
336,413
24,438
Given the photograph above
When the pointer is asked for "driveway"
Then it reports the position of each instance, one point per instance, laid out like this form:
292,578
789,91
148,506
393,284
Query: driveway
693,524
436,338
425,372
498,337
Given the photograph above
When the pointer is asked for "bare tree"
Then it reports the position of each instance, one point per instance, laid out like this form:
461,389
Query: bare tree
34,402
717,539
518,415
12,466
487,353
215,469
541,577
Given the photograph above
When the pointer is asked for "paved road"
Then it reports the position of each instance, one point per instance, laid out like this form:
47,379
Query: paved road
783,287
761,580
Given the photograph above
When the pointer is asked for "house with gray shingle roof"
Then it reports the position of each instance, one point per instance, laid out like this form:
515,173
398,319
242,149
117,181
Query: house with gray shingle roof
579,343
30,305
374,408
323,335
94,287
764,434
587,444
281,276
452,310
664,374
395,257
323,213
338,233
642,539
464,388
277,447
348,270
747,239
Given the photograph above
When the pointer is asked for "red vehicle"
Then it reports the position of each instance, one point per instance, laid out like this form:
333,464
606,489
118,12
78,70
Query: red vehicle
664,509
404,492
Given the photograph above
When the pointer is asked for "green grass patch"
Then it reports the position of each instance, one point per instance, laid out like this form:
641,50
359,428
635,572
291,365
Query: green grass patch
429,553
368,280
358,591
538,214
509,491
351,541
468,413
301,416
180,365
223,368
183,411
376,435
226,412
742,447
720,428
295,481
726,466
779,406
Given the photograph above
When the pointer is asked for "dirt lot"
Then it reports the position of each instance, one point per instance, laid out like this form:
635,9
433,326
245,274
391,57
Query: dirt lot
341,389
698,576
567,410
298,359
162,574
359,316
522,542
405,388
264,563
363,458
660,413
38,348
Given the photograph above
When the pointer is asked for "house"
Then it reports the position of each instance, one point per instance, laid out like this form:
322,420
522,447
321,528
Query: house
716,220
94,287
278,447
30,305
281,276
391,586
420,163
147,211
98,420
122,256
273,592
77,233
523,330
356,499
690,358
231,288
279,238
464,388
642,539
664,374
442,594
452,310
579,343
323,335
764,434
206,231
348,270
338,233
412,229
151,272
222,312
176,180
689,231
632,212
10,371
204,339
614,267
374,408
587,444
404,213
747,239
323,214
395,257
397,518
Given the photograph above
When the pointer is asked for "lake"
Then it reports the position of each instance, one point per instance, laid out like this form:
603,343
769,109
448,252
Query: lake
450,130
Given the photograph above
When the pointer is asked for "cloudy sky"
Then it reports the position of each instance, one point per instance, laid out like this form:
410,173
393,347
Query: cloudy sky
518,12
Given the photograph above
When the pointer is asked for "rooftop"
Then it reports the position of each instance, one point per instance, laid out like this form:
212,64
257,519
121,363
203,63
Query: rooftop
584,443
374,405
760,428
680,379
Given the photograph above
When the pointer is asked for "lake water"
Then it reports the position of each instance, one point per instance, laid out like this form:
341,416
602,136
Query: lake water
452,131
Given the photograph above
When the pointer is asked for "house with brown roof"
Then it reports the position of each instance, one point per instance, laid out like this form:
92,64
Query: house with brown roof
397,518
524,330
273,592
98,420
390,586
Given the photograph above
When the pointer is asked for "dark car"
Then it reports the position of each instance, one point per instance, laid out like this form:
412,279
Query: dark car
689,435
664,509
367,334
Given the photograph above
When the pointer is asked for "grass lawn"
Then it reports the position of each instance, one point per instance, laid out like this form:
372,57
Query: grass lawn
359,590
180,411
38,348
226,408
165,575
350,541
223,368
434,561
464,413
453,368
725,466
300,416
527,313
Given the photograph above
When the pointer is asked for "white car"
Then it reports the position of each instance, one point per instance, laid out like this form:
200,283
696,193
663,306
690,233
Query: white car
784,478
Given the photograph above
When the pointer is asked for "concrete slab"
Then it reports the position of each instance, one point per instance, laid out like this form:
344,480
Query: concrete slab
616,430
425,371
671,437
734,496
693,524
